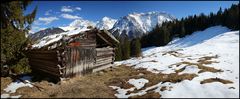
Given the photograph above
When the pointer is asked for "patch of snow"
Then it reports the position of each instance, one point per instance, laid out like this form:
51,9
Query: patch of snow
122,92
138,83
11,88
190,89
190,70
8,96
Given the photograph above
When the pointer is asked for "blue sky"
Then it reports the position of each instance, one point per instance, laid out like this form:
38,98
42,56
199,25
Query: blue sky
62,13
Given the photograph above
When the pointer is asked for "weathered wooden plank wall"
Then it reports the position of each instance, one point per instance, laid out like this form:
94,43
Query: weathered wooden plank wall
80,60
105,58
45,61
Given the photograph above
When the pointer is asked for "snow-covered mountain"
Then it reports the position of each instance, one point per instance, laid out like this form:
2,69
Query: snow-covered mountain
133,25
215,48
46,32
56,37
138,24
78,24
106,23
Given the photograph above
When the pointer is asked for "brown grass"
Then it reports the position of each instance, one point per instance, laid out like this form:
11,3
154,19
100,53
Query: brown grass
207,59
174,53
163,88
5,81
156,78
144,62
210,80
199,65
96,85
180,70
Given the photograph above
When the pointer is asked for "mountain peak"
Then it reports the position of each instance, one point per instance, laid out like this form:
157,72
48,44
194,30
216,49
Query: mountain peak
137,24
106,23
78,23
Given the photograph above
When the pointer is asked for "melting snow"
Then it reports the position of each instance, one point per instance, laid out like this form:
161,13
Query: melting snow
138,83
8,96
11,88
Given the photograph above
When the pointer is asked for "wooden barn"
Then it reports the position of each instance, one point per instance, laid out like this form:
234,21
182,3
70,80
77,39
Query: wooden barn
70,55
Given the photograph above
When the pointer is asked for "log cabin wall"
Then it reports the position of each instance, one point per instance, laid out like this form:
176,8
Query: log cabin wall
79,60
105,58
80,55
45,61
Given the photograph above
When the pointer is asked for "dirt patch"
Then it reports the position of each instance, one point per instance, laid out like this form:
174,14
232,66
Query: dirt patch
210,80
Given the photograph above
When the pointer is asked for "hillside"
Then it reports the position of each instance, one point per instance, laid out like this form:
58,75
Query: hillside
213,57
191,67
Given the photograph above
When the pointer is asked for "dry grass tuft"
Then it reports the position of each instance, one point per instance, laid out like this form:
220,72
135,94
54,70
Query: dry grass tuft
207,59
163,88
173,53
199,65
231,88
180,70
5,81
210,80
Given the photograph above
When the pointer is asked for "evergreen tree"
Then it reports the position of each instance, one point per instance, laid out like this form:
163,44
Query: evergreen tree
14,28
118,53
166,35
182,32
219,17
160,36
125,47
136,47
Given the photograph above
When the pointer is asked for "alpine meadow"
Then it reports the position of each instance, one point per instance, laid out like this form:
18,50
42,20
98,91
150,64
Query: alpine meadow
120,49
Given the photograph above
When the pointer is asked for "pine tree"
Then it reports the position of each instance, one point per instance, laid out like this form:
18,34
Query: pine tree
160,36
182,32
219,17
118,53
125,47
135,48
14,28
